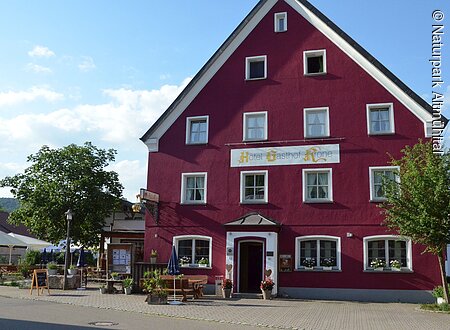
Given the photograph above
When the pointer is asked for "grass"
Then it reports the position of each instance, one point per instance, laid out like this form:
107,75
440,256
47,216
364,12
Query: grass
436,308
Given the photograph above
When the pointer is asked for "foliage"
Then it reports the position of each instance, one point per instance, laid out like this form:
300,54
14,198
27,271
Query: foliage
153,283
128,282
203,261
418,205
24,268
267,284
227,284
3,260
154,253
52,265
377,263
310,262
185,260
395,264
438,292
436,308
33,257
73,177
328,262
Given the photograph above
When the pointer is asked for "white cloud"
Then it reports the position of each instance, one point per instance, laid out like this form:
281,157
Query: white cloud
87,64
164,76
36,68
40,51
13,98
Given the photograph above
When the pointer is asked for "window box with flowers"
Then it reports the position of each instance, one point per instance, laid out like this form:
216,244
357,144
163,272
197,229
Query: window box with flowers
378,264
266,288
396,265
203,262
184,261
328,264
309,263
227,287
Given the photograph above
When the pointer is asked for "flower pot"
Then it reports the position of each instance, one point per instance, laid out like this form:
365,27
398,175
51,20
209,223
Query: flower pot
156,300
52,271
327,268
72,271
395,269
226,293
127,290
153,260
267,294
378,269
440,300
309,268
102,290
202,265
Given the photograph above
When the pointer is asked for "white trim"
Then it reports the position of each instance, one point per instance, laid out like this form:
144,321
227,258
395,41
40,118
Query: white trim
298,239
175,240
327,122
366,239
371,182
152,144
314,53
244,125
184,176
266,187
250,240
330,184
276,18
364,63
334,37
377,106
252,59
189,120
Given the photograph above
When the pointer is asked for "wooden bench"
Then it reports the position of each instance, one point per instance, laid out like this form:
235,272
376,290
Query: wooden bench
180,286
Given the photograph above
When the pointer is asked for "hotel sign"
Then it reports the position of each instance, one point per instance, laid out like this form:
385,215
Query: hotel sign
295,155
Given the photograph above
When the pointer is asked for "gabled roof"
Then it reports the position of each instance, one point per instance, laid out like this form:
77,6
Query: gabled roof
6,227
370,64
253,219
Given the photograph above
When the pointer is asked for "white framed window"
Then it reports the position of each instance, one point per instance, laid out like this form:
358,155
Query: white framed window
388,248
197,130
380,119
317,185
316,122
376,176
254,186
280,21
255,126
256,67
314,62
193,248
193,188
317,252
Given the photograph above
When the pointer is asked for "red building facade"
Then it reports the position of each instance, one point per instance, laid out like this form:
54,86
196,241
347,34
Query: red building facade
271,162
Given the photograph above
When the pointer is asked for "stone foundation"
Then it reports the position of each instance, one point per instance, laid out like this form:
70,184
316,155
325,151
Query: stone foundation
56,281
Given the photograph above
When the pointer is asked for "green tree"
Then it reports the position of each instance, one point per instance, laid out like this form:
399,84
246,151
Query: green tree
73,177
418,205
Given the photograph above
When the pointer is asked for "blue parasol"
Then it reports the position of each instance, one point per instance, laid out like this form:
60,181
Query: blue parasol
52,256
81,262
44,257
173,268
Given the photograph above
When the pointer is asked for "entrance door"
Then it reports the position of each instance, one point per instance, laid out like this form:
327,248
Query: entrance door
250,266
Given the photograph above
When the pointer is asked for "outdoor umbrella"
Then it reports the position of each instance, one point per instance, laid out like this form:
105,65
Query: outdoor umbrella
173,268
44,257
11,242
81,263
51,257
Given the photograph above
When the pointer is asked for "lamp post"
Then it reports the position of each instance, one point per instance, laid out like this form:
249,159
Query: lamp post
69,216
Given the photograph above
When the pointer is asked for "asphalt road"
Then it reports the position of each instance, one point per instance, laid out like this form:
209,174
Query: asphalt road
31,314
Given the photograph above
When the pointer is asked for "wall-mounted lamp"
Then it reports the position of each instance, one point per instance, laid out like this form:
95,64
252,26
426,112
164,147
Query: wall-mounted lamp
349,235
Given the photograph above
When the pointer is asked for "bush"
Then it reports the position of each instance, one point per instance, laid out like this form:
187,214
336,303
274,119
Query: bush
33,257
24,268
438,292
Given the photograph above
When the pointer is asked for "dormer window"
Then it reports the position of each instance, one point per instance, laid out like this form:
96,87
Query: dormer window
256,67
314,62
280,22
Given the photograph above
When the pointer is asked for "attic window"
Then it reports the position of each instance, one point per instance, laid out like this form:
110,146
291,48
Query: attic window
280,22
314,62
256,67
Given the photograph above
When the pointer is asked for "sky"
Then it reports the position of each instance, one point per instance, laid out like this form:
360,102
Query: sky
104,71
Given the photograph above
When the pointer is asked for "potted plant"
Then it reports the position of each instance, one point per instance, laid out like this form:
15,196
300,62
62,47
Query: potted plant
52,268
395,265
153,256
115,276
184,261
227,286
155,287
327,263
438,293
72,270
378,264
203,262
127,285
309,263
102,288
266,288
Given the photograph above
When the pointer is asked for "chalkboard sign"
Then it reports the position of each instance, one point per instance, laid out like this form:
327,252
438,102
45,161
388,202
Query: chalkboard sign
39,281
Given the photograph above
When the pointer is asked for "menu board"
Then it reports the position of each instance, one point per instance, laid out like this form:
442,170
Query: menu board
119,258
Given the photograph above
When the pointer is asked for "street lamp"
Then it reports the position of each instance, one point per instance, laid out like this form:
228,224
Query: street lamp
69,216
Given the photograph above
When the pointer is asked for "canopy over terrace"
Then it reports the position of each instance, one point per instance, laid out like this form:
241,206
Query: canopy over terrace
31,243
11,242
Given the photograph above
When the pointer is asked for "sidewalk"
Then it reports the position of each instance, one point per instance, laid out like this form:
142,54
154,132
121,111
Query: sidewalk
277,313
